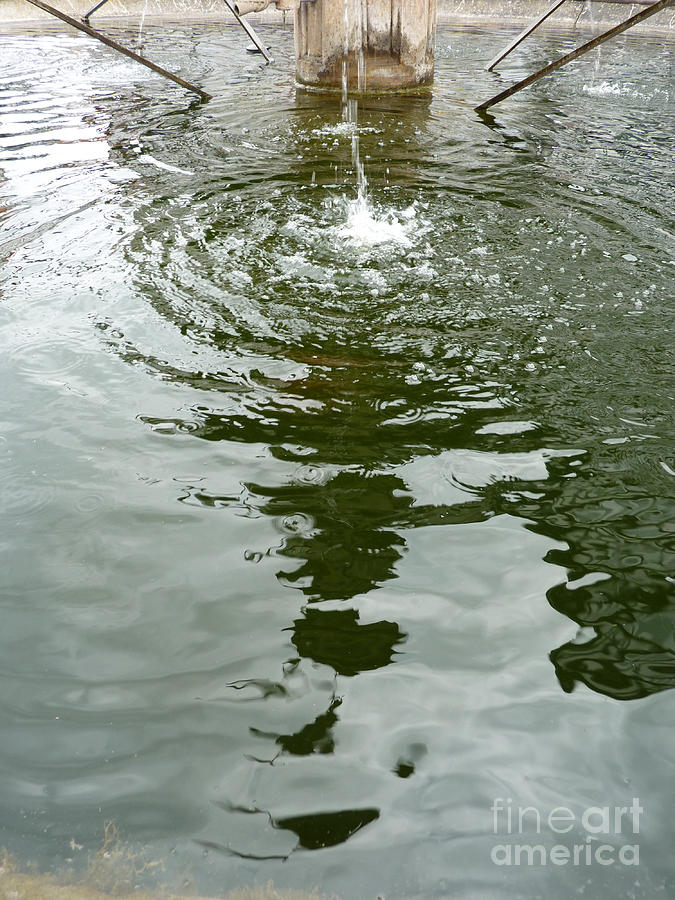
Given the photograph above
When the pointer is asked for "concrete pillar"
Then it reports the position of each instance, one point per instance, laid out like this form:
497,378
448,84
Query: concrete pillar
380,44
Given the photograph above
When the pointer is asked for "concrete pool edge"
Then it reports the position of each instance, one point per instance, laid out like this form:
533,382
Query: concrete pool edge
577,13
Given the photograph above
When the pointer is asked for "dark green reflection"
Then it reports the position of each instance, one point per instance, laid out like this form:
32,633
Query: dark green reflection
616,663
314,830
351,547
619,555
327,829
335,638
315,737
614,523
353,364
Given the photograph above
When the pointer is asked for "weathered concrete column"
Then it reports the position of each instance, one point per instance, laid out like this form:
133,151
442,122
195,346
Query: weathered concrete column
382,44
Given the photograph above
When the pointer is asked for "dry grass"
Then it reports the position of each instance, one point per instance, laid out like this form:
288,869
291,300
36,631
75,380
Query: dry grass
114,872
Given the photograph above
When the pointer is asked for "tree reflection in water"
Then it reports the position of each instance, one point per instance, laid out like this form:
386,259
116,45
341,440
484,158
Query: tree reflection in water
350,418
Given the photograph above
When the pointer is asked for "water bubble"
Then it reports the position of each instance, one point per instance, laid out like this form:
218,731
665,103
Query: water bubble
253,556
89,503
297,523
313,474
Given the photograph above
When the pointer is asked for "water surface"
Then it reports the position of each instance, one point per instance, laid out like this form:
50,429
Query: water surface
325,526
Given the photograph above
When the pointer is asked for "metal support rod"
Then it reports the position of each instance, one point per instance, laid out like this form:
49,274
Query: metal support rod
249,30
230,5
87,29
512,46
85,17
575,54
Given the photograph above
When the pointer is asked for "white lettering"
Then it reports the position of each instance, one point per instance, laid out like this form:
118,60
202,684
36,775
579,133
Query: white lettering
634,850
521,816
603,859
530,850
505,858
603,813
559,855
636,809
561,814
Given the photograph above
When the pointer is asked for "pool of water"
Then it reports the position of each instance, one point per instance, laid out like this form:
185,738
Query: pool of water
330,532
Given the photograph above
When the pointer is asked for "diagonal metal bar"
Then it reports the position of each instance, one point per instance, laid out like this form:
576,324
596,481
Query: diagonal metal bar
575,54
249,30
85,17
519,40
87,29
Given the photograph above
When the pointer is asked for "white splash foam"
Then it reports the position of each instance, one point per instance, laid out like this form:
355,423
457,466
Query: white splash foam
147,158
604,89
627,89
366,226
359,224
345,129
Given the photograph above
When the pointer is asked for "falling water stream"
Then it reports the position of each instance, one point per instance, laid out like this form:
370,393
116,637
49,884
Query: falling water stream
334,510
144,12
359,212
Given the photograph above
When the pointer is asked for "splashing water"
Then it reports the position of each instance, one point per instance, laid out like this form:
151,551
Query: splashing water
140,26
364,226
350,105
603,89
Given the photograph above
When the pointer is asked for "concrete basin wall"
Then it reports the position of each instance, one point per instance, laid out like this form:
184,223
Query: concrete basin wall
381,45
601,14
